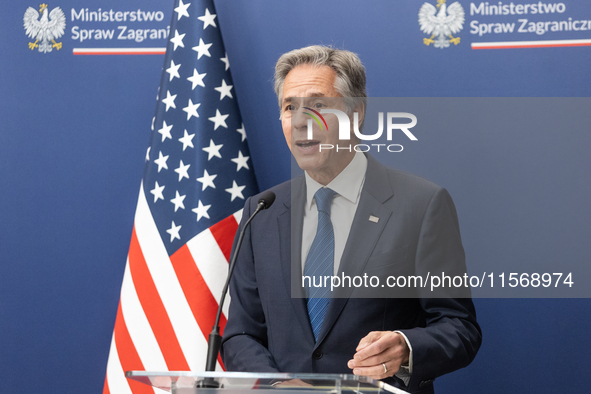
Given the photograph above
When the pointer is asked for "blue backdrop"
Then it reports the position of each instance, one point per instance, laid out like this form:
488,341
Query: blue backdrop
75,128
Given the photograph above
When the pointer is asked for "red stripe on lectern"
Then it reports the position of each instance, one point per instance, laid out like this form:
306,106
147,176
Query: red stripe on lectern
154,309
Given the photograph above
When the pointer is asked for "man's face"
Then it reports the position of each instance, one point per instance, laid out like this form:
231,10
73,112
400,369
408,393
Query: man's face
313,87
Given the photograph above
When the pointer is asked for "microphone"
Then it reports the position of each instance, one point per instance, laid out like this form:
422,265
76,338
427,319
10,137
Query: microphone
267,199
215,339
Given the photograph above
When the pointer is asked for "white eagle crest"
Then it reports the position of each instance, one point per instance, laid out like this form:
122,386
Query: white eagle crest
46,30
441,24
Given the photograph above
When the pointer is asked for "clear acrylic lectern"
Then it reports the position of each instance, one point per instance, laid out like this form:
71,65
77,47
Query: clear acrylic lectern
242,383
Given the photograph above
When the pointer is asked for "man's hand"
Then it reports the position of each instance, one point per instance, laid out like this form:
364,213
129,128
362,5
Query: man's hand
377,349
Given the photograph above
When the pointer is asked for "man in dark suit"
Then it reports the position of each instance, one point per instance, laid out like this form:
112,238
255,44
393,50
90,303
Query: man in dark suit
348,216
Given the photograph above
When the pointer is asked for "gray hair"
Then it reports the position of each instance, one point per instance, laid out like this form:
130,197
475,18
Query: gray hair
350,79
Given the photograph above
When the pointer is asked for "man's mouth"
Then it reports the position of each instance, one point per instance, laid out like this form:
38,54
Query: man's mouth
307,144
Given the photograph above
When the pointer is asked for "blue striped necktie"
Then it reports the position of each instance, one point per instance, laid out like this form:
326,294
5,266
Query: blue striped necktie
320,261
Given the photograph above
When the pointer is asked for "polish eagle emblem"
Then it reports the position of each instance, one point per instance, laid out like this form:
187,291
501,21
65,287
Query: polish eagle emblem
441,24
46,30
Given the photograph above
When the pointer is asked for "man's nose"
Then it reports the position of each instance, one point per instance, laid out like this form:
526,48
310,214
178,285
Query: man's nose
299,120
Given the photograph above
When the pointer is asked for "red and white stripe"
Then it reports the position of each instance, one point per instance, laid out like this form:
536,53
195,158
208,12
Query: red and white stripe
531,44
168,304
119,51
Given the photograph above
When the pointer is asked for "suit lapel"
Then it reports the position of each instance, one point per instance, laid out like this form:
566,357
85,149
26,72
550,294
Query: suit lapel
290,234
363,236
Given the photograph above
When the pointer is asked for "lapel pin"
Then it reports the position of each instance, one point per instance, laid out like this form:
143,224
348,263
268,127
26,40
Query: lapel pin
373,218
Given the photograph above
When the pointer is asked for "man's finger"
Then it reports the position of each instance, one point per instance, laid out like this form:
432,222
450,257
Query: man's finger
377,346
378,359
376,372
368,340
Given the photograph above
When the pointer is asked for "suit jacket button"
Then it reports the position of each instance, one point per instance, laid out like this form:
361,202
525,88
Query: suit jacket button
317,355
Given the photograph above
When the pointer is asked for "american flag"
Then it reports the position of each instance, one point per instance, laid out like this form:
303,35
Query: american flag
197,175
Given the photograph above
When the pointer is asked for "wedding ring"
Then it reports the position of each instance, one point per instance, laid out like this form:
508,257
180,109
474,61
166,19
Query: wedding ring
385,368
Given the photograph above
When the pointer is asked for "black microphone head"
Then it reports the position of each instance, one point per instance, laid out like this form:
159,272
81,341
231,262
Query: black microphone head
267,198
